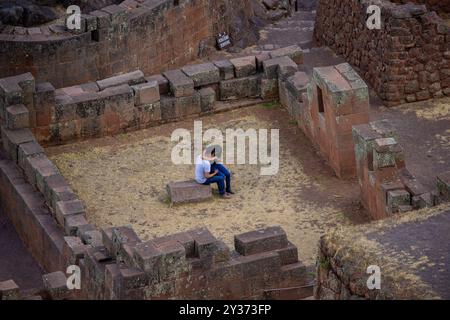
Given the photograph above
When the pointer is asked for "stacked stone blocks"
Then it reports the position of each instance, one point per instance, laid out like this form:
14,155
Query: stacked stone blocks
132,101
325,108
115,262
149,35
192,265
387,187
407,60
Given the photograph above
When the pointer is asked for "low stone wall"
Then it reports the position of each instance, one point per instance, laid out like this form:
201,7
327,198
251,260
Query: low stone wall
387,187
26,209
116,264
407,60
150,35
191,265
132,101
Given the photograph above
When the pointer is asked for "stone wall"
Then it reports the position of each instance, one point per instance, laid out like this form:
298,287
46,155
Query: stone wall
344,255
325,108
407,60
133,101
114,262
150,35
438,5
387,187
31,219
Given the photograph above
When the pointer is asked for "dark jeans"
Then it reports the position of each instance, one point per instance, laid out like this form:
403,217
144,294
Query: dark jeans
222,177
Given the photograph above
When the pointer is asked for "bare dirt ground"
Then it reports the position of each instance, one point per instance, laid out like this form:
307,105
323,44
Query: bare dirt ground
122,181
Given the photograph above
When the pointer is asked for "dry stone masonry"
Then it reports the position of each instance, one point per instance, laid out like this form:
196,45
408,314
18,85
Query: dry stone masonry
148,84
116,264
407,60
133,101
387,187
325,108
144,34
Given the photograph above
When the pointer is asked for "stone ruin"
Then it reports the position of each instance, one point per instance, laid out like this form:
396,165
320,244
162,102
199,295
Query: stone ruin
405,61
47,99
116,263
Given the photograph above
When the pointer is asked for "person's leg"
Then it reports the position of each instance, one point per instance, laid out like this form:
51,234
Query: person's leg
222,169
219,179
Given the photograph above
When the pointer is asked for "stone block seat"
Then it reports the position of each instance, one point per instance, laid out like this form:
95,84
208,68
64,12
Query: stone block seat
188,191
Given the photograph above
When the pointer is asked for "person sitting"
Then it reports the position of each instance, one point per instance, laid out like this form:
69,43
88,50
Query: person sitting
217,165
208,170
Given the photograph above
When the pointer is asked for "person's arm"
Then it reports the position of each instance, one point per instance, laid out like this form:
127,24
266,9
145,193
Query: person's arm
210,175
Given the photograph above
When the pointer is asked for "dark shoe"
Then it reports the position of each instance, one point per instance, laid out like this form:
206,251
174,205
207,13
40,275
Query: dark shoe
230,192
225,196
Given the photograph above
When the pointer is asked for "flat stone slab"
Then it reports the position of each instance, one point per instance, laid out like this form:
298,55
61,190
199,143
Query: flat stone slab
180,84
298,83
17,117
258,241
146,93
162,82
131,78
202,74
188,191
294,52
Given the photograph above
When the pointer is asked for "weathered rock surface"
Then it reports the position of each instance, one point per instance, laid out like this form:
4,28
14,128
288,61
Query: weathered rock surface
25,13
30,13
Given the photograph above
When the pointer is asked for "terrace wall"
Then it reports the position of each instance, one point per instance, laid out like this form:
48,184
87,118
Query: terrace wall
407,60
150,35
